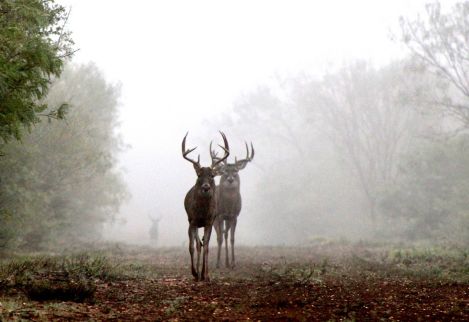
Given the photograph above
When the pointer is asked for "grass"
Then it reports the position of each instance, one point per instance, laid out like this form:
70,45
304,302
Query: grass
74,277
118,281
445,263
174,304
300,273
448,263
65,278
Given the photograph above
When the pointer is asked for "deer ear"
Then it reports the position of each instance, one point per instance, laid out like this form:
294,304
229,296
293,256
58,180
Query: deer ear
216,171
197,169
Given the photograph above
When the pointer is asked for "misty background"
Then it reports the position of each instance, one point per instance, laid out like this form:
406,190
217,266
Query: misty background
208,66
354,136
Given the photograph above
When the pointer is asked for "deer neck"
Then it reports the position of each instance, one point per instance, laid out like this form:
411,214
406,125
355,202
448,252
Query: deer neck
203,201
229,189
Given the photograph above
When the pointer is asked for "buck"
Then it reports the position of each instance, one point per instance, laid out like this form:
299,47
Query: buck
201,207
229,201
154,229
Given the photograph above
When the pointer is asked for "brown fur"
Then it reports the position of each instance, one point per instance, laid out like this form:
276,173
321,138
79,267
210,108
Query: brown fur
201,208
201,211
229,204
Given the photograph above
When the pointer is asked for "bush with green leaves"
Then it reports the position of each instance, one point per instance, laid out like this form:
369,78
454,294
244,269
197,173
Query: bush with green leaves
430,197
33,48
61,183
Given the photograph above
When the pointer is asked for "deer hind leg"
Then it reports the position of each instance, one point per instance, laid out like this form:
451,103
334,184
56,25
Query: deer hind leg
225,233
232,240
219,230
207,233
191,251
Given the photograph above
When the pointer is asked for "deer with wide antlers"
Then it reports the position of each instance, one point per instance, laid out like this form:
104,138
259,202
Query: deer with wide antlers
201,207
229,201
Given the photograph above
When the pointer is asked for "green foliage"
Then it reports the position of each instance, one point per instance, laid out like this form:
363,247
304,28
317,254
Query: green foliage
61,183
431,193
69,278
33,47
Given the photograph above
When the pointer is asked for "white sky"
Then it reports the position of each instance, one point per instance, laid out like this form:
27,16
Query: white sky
181,62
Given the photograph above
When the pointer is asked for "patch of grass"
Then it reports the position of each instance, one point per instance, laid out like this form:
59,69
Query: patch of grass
296,272
64,278
59,286
9,305
174,304
435,262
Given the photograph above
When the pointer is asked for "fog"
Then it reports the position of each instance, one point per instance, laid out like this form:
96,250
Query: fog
242,67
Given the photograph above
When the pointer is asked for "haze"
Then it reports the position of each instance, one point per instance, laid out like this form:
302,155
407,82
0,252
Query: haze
182,66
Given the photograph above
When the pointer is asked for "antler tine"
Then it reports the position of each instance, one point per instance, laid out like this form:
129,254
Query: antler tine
242,163
213,154
252,153
225,148
186,152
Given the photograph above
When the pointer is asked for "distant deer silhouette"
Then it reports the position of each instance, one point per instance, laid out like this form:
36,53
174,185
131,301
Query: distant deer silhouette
229,201
201,207
154,228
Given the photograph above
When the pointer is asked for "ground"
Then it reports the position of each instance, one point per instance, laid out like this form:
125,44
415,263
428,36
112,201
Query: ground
326,281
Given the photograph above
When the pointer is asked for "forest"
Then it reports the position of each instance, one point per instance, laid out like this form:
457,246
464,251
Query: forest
354,203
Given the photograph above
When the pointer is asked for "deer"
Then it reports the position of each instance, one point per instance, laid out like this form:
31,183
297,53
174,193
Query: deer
229,201
154,228
201,207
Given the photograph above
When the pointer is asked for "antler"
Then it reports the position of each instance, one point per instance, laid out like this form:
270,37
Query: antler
215,160
186,152
213,155
242,163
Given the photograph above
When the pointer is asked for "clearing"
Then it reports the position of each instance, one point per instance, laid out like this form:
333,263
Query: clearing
329,281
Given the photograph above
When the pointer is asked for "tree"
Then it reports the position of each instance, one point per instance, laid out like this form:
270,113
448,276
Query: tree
33,48
430,196
440,43
62,183
365,114
328,146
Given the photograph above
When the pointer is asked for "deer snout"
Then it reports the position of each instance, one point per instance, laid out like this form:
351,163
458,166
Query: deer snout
206,187
230,179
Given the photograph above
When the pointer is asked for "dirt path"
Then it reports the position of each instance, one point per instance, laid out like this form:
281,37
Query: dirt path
282,287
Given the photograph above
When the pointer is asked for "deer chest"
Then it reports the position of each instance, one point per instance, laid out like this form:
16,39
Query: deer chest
229,204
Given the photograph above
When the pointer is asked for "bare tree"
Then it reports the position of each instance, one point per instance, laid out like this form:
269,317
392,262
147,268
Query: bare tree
229,201
367,120
201,205
440,42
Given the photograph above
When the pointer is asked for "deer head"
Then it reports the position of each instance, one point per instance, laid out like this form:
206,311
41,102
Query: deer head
205,184
229,171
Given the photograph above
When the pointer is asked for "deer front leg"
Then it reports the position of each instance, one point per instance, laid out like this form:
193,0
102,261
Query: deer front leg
219,231
207,233
191,251
198,245
232,240
225,233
